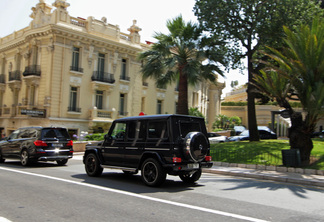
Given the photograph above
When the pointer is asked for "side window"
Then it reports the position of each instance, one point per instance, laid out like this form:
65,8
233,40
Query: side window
136,130
157,130
14,135
119,130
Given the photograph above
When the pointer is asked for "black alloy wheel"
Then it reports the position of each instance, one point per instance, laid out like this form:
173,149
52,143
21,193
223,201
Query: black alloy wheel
92,165
152,173
190,177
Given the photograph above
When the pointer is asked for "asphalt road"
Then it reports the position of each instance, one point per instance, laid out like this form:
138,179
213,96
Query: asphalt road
47,192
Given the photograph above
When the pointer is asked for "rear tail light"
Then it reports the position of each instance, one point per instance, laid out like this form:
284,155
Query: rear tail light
208,158
40,143
70,143
176,160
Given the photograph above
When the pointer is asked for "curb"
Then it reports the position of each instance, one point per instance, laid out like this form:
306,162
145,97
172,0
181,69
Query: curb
272,168
277,178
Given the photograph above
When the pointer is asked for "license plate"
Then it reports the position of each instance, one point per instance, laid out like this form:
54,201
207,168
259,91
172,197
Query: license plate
57,145
193,165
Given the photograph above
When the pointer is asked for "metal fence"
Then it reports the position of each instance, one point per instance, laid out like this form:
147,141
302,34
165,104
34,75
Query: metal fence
251,157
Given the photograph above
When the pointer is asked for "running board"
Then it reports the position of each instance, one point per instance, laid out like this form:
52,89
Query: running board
119,168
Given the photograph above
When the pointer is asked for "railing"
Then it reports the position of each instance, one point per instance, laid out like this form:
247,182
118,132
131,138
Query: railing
97,113
76,69
15,75
79,22
74,109
126,78
103,77
122,113
2,78
33,70
250,157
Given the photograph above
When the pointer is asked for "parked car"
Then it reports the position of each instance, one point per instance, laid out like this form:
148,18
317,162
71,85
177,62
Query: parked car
239,129
264,133
156,145
32,144
216,138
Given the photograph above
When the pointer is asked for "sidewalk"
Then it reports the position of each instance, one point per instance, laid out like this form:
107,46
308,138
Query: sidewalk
279,174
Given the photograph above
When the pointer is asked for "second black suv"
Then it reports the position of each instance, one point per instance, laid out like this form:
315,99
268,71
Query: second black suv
156,145
31,144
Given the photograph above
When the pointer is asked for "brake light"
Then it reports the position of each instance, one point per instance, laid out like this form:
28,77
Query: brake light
208,158
176,160
70,143
40,143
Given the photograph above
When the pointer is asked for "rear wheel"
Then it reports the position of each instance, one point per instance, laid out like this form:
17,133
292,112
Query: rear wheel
24,158
92,165
61,162
190,177
152,173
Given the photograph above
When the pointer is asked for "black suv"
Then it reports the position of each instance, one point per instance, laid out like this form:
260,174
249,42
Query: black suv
31,144
156,145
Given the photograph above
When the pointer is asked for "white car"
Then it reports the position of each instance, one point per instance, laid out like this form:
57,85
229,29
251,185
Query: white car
216,138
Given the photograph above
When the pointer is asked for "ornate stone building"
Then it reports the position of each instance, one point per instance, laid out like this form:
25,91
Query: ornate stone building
81,74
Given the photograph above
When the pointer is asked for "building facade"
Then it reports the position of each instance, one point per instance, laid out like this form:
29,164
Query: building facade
81,74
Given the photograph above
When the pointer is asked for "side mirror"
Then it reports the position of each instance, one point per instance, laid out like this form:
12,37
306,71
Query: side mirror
107,137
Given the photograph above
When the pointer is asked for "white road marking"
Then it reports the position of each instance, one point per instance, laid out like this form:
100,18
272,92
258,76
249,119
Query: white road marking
2,219
140,196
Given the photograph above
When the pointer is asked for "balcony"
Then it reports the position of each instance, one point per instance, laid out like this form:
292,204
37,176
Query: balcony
122,113
103,77
76,69
15,75
74,109
2,79
99,114
125,78
33,70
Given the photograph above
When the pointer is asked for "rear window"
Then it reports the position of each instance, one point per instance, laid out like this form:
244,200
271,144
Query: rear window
55,133
187,127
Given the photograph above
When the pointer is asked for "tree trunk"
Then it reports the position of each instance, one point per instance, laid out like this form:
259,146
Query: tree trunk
300,138
183,95
252,121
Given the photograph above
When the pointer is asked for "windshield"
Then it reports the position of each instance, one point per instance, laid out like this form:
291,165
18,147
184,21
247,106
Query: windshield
245,133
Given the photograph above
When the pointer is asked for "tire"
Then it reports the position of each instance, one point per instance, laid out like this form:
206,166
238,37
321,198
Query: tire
1,159
152,173
24,158
196,146
92,165
61,162
190,178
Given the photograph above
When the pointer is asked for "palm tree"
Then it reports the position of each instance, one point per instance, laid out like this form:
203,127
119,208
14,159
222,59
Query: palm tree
298,70
176,57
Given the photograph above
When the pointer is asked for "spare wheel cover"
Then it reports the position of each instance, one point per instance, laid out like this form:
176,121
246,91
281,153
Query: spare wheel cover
196,146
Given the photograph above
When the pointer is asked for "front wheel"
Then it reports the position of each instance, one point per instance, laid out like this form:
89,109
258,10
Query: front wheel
92,165
1,159
24,158
61,162
190,177
152,173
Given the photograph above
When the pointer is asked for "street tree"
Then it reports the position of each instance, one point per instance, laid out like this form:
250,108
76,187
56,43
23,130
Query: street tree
178,57
297,71
245,26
